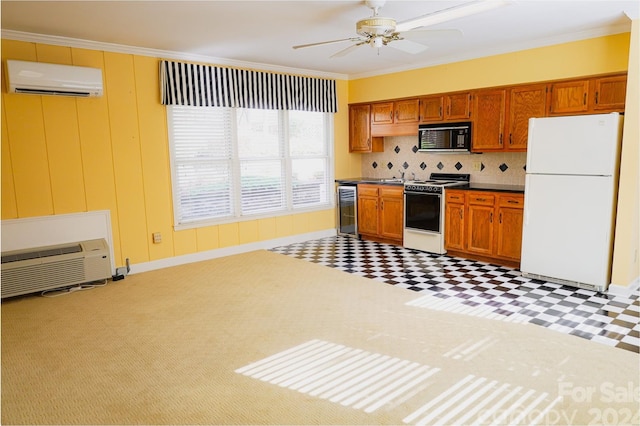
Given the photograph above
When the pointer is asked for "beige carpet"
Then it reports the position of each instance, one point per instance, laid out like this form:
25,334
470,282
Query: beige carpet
261,338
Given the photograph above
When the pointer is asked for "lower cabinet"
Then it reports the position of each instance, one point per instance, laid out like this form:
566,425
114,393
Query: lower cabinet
381,212
485,225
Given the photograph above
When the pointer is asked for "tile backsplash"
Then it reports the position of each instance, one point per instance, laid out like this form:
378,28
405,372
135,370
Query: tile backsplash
401,153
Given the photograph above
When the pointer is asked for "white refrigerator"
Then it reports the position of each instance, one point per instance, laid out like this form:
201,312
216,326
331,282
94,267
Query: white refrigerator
571,187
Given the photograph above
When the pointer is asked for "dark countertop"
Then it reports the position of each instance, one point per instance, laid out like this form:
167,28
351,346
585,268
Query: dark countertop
377,181
495,187
469,187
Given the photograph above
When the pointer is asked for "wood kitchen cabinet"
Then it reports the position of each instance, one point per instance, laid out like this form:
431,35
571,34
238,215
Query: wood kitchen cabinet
360,138
454,220
609,93
509,227
446,107
368,209
525,102
489,108
381,212
457,106
480,229
484,225
569,97
397,118
382,113
588,95
432,108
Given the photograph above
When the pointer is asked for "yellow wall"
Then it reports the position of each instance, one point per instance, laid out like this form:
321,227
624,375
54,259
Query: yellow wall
586,57
627,238
66,155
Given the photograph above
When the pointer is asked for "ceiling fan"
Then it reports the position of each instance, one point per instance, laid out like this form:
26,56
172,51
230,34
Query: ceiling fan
377,31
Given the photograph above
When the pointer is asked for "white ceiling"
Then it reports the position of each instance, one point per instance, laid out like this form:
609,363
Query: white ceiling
250,33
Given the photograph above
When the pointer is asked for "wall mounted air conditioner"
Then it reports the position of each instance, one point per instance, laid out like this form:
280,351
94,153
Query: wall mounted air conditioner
49,267
52,79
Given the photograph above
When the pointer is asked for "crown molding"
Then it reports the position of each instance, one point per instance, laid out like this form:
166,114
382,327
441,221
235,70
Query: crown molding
163,54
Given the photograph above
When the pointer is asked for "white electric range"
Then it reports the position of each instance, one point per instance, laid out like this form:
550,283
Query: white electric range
424,214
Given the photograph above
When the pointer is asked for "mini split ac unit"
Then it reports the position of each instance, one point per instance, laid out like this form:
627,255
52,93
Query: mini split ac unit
45,268
39,78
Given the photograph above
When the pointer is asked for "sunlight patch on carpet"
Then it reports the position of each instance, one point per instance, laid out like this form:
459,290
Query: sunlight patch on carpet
458,306
477,400
348,376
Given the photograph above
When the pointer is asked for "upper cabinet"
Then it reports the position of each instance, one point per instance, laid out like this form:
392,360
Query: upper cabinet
431,108
610,93
457,106
447,107
397,118
360,139
489,108
569,97
525,102
500,115
381,113
588,95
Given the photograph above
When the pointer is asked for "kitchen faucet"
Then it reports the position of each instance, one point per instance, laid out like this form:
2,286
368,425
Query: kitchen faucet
401,174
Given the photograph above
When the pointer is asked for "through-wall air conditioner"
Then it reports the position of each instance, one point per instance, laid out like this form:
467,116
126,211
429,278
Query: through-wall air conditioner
39,78
49,267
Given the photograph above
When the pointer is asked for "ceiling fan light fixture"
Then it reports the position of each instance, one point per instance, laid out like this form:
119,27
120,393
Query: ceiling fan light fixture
375,26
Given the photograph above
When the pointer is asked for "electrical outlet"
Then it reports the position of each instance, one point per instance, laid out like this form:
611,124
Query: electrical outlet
157,238
477,165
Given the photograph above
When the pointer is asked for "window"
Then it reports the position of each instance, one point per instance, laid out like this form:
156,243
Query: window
234,163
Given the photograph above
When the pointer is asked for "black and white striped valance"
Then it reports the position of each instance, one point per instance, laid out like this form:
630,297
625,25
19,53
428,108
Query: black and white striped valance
204,85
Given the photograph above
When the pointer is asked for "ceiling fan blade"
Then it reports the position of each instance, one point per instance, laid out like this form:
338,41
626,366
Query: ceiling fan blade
302,46
348,50
408,46
452,13
423,34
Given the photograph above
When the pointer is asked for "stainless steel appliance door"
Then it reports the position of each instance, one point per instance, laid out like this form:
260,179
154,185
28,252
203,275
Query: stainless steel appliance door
422,211
347,210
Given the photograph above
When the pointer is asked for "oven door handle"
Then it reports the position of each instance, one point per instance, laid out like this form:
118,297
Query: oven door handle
422,193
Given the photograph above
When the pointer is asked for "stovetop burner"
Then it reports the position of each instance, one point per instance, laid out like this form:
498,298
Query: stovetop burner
436,182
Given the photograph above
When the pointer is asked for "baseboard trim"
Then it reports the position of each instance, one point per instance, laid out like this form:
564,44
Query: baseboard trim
228,251
624,291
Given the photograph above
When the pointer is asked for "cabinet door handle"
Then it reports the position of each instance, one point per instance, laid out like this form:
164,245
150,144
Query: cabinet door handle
460,214
481,199
391,115
397,115
500,218
584,99
596,98
491,218
510,140
381,205
500,138
513,202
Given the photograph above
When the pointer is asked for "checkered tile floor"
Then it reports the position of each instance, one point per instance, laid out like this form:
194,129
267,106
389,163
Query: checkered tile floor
482,289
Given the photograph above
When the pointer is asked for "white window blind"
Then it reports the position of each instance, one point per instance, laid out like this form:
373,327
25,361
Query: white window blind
234,163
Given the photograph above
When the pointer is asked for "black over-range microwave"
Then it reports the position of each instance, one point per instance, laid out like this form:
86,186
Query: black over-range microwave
445,137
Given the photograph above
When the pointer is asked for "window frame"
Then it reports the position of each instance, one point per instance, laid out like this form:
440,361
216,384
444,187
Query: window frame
235,162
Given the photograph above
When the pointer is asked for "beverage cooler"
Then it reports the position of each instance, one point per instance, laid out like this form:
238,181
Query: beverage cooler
347,202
